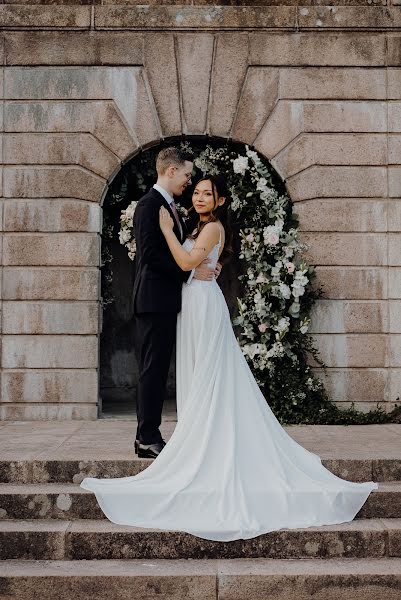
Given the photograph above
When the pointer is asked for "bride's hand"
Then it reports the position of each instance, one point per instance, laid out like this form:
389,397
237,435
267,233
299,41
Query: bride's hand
165,220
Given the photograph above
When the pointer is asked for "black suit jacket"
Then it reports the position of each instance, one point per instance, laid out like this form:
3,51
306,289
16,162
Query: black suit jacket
158,278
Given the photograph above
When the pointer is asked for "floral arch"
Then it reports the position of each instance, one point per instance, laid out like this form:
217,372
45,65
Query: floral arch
274,285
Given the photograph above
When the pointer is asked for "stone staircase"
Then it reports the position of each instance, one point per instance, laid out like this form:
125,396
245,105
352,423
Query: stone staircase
55,542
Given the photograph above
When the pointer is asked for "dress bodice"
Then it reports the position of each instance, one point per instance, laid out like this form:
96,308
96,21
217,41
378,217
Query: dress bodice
213,254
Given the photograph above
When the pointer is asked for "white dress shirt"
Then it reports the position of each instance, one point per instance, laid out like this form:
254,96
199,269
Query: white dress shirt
170,199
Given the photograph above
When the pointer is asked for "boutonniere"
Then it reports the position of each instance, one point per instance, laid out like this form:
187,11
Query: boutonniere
182,211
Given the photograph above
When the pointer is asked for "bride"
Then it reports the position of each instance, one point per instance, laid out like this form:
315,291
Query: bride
229,471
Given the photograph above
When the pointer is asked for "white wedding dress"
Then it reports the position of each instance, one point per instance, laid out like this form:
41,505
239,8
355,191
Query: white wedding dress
229,471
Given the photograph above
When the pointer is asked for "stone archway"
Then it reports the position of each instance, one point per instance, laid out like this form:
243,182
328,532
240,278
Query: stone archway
118,368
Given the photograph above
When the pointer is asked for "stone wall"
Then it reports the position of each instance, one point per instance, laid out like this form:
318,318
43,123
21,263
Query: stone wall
316,89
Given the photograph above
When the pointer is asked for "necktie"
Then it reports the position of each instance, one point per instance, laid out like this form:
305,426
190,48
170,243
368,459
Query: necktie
173,208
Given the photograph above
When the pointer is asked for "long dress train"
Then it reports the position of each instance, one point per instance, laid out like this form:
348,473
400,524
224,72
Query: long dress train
229,471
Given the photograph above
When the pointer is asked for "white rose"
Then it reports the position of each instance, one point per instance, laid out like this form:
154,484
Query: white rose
285,290
261,278
124,236
240,165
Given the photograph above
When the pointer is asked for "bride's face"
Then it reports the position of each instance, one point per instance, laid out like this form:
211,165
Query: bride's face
202,198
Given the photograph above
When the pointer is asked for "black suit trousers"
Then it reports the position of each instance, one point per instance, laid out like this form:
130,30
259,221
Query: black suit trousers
155,336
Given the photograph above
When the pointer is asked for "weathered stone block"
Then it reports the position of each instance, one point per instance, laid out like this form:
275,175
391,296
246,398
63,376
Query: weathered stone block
394,84
394,182
394,284
394,341
66,48
345,248
50,317
51,215
323,182
394,149
347,116
343,16
342,214
66,17
345,316
353,282
394,117
366,385
333,83
45,386
101,118
160,59
36,283
394,316
52,182
193,17
194,58
282,126
289,118
70,148
304,49
69,249
394,215
48,412
145,125
258,97
394,254
394,49
394,384
334,149
352,350
229,69
49,351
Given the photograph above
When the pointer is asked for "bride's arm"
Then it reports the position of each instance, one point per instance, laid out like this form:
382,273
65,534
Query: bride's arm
206,240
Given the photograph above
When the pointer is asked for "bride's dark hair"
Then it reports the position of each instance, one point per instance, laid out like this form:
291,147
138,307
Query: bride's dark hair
220,213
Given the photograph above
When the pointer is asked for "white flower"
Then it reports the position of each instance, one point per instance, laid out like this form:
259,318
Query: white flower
261,278
262,327
290,267
252,350
240,165
129,212
124,236
284,290
271,235
294,309
250,237
283,324
258,298
262,185
253,155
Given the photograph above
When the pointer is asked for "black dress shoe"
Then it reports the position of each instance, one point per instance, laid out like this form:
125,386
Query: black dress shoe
148,450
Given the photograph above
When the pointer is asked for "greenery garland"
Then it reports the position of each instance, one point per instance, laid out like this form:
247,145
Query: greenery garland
274,311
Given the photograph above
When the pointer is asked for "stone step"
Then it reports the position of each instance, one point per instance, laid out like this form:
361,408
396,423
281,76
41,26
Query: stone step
69,501
74,470
242,579
101,539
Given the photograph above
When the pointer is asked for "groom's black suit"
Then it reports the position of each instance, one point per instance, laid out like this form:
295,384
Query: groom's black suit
157,300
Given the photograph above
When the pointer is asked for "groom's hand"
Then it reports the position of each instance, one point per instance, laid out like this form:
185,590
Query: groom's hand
217,270
204,272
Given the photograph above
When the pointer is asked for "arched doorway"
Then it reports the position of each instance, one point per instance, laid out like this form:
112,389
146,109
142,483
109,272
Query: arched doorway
118,367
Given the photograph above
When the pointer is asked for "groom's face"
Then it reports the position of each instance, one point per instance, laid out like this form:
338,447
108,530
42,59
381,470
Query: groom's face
181,177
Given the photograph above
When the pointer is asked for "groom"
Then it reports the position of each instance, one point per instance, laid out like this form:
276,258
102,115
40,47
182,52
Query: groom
157,293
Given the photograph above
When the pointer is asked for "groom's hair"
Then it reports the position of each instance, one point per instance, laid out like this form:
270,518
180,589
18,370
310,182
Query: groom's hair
171,156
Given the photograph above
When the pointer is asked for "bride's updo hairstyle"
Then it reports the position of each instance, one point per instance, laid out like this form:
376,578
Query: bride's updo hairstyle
218,213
